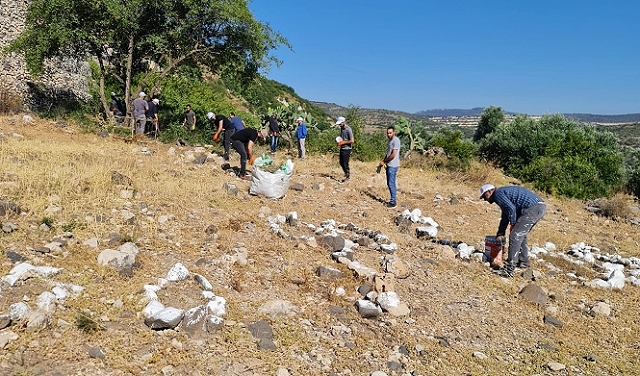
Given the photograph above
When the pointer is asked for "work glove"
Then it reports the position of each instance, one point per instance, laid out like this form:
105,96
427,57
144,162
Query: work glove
501,239
510,228
216,137
251,159
340,143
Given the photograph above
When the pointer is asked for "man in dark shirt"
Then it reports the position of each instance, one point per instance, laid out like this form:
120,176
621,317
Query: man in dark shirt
116,105
190,119
274,130
222,123
522,209
152,116
243,142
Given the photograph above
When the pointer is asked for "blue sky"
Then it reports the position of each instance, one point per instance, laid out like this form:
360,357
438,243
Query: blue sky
534,57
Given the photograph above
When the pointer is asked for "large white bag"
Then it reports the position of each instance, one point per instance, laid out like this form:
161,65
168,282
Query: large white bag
271,184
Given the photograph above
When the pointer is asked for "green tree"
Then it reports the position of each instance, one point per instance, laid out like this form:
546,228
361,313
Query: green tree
490,118
147,40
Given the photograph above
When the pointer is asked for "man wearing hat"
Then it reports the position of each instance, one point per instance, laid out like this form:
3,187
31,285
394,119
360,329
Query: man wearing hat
301,135
152,116
522,209
140,109
344,142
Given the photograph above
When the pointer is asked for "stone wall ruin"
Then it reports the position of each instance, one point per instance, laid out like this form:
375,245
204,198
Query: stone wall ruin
63,80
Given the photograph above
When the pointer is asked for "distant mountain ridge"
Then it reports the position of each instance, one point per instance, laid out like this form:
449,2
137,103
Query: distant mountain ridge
585,118
336,110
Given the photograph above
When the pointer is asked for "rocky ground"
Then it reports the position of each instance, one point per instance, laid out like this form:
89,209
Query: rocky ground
150,259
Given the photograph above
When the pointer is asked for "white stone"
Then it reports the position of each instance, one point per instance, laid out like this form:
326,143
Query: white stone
465,250
479,355
46,302
616,279
178,272
555,366
18,311
217,306
152,308
602,309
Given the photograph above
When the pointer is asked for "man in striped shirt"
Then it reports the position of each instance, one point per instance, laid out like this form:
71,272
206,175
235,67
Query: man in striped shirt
521,209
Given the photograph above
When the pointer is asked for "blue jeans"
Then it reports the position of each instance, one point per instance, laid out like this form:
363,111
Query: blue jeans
274,143
391,182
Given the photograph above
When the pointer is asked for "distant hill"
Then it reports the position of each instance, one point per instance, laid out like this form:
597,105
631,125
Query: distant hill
373,117
604,119
584,118
451,112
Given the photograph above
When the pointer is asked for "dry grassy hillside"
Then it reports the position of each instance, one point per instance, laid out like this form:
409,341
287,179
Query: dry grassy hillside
464,320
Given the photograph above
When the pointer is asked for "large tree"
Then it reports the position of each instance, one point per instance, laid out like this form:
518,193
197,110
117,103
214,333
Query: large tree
490,118
140,42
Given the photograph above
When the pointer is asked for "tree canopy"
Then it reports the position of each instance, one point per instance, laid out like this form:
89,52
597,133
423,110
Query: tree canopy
139,42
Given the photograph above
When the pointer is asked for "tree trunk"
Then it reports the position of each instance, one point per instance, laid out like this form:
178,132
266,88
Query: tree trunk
103,99
127,85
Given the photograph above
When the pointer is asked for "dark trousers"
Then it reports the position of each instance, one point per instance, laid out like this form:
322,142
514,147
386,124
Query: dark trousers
239,147
518,236
227,141
345,154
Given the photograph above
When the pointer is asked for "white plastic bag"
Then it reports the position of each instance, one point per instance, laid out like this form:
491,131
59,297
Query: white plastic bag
271,185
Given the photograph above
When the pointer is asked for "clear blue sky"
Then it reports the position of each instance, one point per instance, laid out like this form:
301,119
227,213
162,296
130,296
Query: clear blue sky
533,57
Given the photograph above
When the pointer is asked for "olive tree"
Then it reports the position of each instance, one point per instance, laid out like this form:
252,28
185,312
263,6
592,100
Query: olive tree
490,118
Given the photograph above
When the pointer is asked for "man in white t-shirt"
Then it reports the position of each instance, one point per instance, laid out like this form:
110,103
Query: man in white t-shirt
392,163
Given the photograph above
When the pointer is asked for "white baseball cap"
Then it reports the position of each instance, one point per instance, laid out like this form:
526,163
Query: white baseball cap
142,94
209,115
485,188
156,101
340,120
300,119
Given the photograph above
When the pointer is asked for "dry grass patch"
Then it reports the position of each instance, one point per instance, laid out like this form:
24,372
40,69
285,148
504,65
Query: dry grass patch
454,302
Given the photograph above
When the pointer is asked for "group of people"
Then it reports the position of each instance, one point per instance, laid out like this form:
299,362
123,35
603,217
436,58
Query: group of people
521,209
145,113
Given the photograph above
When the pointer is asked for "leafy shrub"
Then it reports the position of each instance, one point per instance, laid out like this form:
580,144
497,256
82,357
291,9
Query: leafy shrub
632,163
557,155
454,144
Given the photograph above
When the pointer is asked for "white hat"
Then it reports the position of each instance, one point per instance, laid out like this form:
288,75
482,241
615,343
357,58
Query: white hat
300,119
486,188
156,100
340,120
209,115
142,94
113,94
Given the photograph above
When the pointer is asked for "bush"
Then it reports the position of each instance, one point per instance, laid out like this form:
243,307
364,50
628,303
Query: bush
557,155
453,143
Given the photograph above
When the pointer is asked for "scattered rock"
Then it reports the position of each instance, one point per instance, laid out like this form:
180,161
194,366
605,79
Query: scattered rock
534,294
